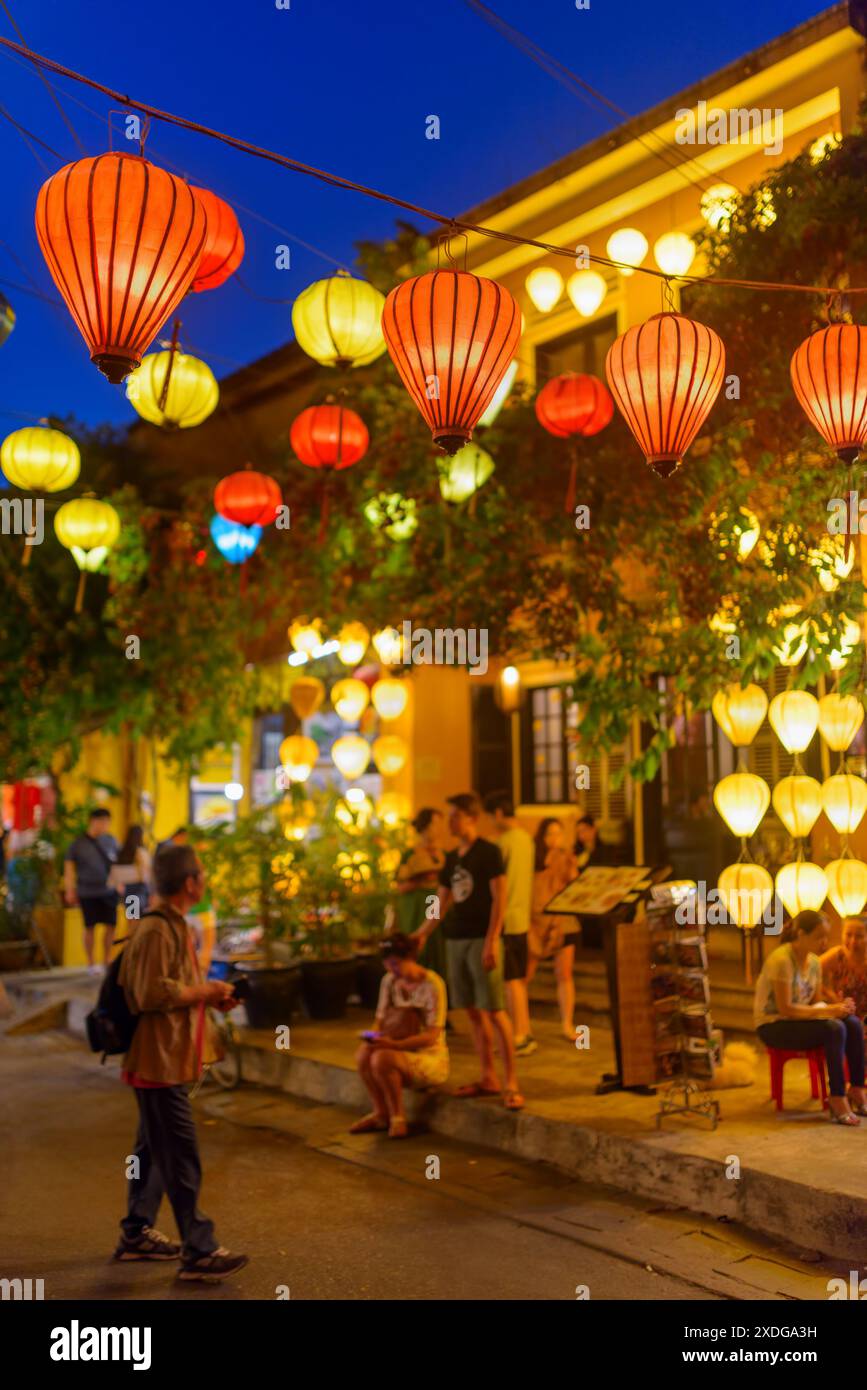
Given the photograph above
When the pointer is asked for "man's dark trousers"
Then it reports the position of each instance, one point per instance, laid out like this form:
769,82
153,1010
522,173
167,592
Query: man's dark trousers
168,1161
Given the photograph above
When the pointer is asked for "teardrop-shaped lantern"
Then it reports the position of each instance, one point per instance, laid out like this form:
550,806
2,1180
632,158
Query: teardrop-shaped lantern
464,473
739,710
38,459
794,718
353,640
337,321
388,644
847,885
544,285
329,436
88,528
351,755
801,886
452,336
248,498
665,375
390,753
586,289
298,757
798,803
829,375
305,635
742,799
122,239
389,698
350,698
844,800
840,718
746,891
235,542
306,695
7,319
223,251
574,403
173,390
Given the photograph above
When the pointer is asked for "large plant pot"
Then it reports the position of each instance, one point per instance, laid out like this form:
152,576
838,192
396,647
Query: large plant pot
273,993
369,971
326,985
48,925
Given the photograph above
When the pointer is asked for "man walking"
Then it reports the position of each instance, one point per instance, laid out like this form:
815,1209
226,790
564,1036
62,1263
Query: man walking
518,852
473,880
160,977
85,882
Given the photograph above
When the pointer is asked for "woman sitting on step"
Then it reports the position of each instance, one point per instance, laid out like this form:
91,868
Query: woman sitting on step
791,1014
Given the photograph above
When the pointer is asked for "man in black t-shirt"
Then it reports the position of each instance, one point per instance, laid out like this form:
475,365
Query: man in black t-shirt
473,882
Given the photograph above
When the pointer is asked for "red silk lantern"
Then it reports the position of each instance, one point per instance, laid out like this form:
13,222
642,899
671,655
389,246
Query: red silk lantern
122,239
329,436
574,404
665,375
451,336
248,498
224,243
829,374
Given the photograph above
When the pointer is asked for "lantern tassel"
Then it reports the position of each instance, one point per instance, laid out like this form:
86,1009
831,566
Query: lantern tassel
79,596
25,560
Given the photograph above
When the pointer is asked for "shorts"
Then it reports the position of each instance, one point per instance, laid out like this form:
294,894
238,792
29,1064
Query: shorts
515,955
470,985
99,911
427,1068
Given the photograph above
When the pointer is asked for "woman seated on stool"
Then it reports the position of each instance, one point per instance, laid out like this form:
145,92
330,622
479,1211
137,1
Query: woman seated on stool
407,1044
791,1014
844,968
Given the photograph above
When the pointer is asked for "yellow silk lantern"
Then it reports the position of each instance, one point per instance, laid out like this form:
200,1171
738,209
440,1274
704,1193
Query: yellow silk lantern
298,757
88,528
337,321
794,717
388,645
306,636
746,891
718,204
38,459
306,696
393,808
464,473
798,803
586,289
389,698
190,396
353,641
847,885
544,285
389,753
674,253
840,718
742,799
350,698
351,755
629,246
739,710
801,885
844,801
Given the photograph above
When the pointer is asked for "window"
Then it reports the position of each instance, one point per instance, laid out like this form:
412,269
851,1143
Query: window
492,744
551,758
584,350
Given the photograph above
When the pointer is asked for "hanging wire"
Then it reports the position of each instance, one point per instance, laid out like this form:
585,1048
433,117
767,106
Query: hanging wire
54,97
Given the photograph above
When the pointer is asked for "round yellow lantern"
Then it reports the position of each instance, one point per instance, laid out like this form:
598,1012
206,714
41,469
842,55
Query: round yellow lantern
801,886
629,247
388,645
39,459
844,801
350,697
351,755
586,289
389,698
337,321
87,528
306,636
794,718
746,891
389,753
840,718
464,473
353,640
674,253
739,710
393,808
173,390
798,803
742,799
306,696
298,757
544,285
847,885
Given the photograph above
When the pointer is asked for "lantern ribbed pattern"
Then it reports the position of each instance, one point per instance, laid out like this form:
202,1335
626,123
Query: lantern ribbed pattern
389,698
350,698
829,375
329,436
353,639
298,756
224,243
665,375
574,403
742,799
801,886
235,542
351,755
337,321
389,752
86,524
464,473
794,718
798,803
740,710
40,460
847,885
840,718
122,239
192,393
844,800
746,891
306,695
249,498
452,336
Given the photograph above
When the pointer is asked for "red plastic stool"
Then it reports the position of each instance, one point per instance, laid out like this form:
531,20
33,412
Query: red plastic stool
778,1058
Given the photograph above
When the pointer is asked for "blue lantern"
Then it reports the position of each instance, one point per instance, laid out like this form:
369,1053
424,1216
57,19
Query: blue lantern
7,319
235,542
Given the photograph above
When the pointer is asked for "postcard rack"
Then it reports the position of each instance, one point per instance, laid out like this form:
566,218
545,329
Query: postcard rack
687,1047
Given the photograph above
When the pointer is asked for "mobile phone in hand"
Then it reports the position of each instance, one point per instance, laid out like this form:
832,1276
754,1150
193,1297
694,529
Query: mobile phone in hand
369,1035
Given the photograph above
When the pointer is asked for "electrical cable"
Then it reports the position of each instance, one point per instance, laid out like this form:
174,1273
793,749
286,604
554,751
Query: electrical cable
67,122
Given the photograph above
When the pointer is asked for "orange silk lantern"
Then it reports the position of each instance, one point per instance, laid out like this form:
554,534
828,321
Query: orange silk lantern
452,336
573,403
224,243
122,239
829,374
329,436
665,375
248,498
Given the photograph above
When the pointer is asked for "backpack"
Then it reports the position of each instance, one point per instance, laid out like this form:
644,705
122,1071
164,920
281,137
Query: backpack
111,1024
